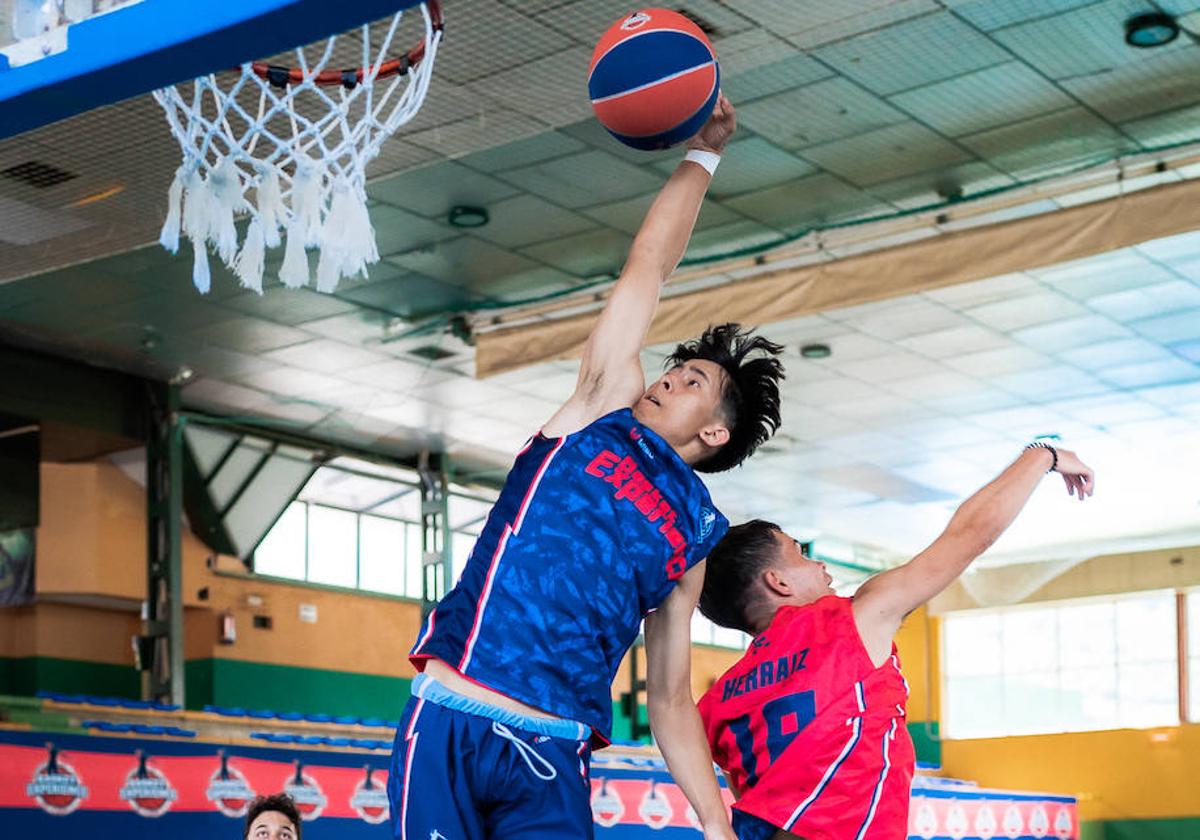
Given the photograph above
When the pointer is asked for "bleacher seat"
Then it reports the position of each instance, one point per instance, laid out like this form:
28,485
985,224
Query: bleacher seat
226,711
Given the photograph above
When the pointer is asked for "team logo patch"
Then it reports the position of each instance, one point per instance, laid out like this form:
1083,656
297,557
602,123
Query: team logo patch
655,810
370,799
55,785
635,21
708,518
229,790
147,790
307,794
607,807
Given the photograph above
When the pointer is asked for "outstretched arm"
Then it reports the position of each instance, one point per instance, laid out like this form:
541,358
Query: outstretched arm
674,718
610,376
883,601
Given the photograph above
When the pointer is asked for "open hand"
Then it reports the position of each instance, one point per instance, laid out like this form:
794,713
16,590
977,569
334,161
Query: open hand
718,129
1079,478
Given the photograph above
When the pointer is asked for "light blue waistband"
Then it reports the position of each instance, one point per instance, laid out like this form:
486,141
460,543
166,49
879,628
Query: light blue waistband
432,691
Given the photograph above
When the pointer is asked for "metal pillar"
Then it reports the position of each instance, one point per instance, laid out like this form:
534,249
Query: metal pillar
435,531
163,609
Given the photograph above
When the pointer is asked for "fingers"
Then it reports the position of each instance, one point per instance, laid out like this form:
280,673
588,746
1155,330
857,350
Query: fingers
1081,484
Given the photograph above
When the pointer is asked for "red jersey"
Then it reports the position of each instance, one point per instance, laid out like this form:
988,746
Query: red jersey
811,732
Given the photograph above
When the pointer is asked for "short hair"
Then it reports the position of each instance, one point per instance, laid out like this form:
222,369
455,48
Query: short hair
280,802
750,396
733,568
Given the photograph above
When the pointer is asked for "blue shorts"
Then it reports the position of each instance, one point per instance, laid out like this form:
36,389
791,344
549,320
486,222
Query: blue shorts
462,770
749,827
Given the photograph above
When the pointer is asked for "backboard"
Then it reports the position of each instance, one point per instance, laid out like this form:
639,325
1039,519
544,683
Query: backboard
59,58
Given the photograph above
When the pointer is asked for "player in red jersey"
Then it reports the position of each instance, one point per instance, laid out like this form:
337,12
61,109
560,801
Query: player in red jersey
809,726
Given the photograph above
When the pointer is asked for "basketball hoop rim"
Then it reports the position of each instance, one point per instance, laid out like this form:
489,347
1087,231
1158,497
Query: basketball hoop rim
281,76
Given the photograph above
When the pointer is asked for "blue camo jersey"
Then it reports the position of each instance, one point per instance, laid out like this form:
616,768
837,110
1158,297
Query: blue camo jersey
590,533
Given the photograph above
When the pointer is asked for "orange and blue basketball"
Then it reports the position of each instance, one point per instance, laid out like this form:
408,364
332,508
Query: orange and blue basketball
653,79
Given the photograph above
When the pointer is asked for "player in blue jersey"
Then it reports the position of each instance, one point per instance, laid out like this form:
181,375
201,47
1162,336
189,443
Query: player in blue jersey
602,522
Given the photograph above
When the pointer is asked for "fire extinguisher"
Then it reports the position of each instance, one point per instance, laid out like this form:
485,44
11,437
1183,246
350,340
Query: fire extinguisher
228,633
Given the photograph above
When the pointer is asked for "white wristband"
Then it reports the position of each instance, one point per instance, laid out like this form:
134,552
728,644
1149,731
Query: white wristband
708,160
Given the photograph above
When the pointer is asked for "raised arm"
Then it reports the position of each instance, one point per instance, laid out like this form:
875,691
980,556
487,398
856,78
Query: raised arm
610,376
883,601
674,718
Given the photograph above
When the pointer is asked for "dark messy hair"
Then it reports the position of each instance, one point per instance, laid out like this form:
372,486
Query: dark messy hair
750,396
280,802
733,567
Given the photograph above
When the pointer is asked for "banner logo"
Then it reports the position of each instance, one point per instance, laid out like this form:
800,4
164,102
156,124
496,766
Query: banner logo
635,21
147,790
956,822
55,785
370,799
1039,822
926,823
1014,823
229,790
306,793
655,810
607,808
985,822
1064,828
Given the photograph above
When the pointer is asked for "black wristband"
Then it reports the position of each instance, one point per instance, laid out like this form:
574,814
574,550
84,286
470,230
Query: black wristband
1041,444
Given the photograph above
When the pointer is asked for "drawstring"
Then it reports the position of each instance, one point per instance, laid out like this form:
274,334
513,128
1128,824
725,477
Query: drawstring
527,752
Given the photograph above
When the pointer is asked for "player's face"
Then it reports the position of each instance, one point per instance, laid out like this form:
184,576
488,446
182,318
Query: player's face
271,825
684,404
807,579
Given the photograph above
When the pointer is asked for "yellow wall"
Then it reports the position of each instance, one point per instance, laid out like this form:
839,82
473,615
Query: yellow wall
919,649
354,632
92,535
1117,774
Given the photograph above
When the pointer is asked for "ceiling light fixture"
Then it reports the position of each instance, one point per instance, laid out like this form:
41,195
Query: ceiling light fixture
816,351
464,216
98,196
1152,29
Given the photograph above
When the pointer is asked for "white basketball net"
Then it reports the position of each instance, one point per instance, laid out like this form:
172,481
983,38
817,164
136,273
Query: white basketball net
302,152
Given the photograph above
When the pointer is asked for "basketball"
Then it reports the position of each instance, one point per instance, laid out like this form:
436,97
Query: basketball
653,79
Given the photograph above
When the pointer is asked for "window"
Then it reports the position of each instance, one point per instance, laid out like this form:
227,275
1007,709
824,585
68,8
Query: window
282,551
1099,664
381,555
332,546
327,545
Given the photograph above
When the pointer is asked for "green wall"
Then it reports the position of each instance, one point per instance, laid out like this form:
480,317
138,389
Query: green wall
29,674
927,741
282,688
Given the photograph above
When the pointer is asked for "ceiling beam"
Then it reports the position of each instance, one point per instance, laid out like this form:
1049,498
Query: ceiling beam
932,263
